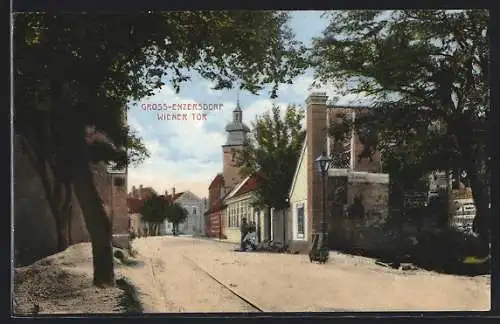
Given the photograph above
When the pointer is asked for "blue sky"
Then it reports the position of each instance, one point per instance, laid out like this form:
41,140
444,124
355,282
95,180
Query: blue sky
187,154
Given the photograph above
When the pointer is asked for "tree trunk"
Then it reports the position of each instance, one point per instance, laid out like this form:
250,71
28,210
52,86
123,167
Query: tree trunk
56,193
481,224
284,218
472,158
63,214
70,218
62,235
97,223
268,221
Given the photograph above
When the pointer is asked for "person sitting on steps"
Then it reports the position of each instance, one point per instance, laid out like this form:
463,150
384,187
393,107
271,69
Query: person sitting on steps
251,238
244,231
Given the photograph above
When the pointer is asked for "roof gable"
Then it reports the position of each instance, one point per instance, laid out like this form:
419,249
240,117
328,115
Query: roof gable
187,195
217,206
218,180
172,198
236,188
249,184
297,168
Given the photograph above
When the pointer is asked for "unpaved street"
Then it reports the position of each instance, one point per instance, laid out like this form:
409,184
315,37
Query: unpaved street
182,274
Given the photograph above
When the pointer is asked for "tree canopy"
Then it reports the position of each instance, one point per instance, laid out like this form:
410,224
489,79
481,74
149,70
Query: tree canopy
154,209
427,74
176,214
272,152
77,70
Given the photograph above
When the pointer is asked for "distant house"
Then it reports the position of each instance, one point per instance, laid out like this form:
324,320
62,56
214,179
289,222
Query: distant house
238,206
134,213
215,212
141,192
195,206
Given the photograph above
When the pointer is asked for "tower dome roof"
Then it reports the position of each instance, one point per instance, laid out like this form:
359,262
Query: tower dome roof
236,129
237,126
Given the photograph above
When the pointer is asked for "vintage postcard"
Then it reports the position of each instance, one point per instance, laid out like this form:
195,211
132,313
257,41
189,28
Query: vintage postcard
250,161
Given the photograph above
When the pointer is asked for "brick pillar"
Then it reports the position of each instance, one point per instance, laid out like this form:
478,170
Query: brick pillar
316,131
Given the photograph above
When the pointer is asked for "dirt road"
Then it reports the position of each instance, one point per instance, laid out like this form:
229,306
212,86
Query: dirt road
183,274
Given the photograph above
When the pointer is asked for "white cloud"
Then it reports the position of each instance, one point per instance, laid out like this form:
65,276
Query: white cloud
162,138
134,124
303,86
153,146
164,174
200,141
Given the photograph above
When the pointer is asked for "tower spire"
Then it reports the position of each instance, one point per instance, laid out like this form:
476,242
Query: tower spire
238,100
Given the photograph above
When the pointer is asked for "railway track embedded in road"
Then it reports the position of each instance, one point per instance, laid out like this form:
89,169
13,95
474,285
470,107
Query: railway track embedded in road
246,301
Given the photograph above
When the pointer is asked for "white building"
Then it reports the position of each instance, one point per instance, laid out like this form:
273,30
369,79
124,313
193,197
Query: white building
239,206
195,206
298,201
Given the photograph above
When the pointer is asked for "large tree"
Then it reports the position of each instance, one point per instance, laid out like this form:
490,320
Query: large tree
427,73
154,212
78,70
176,214
272,152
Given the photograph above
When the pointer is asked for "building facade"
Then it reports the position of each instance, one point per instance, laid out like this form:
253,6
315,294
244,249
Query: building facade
224,183
34,226
354,181
195,207
214,214
239,205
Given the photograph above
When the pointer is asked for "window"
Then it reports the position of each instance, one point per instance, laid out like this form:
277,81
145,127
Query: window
233,217
300,221
194,210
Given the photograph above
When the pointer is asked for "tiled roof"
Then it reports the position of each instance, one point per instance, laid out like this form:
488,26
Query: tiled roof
146,192
175,197
217,206
135,204
219,179
250,185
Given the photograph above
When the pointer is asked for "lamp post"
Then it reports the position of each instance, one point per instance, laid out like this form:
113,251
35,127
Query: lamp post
320,250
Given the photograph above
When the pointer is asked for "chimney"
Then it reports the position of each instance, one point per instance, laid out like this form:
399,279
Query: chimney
173,192
317,98
141,189
134,192
316,120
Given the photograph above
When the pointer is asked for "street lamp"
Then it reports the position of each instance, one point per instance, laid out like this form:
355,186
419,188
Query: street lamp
319,249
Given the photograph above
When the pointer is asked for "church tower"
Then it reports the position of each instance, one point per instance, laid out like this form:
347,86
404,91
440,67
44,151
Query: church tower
236,138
